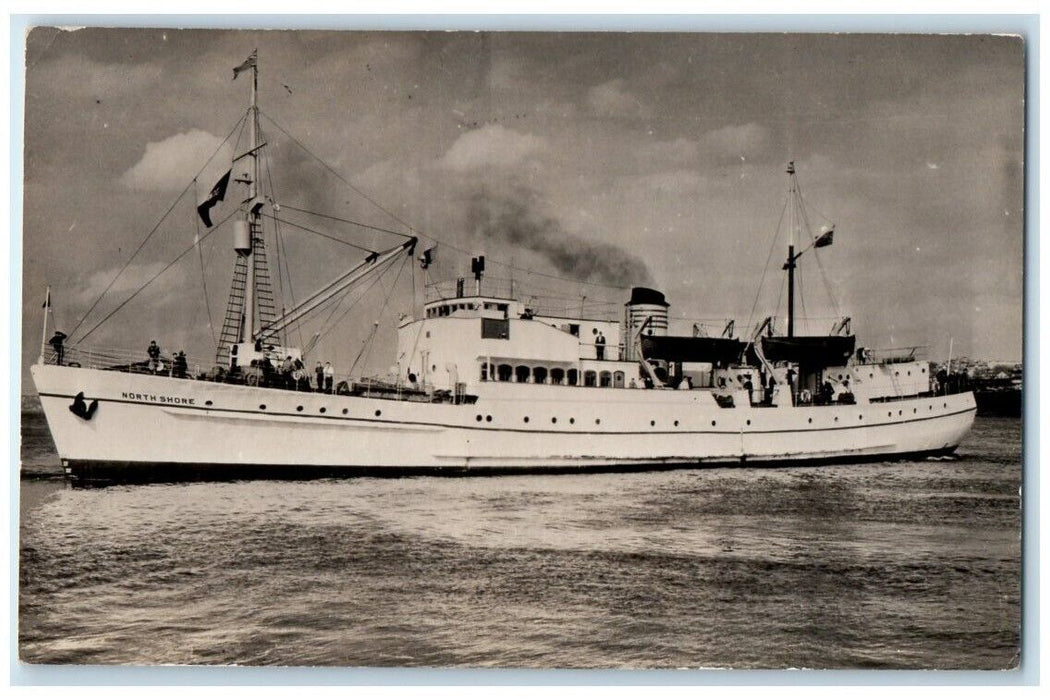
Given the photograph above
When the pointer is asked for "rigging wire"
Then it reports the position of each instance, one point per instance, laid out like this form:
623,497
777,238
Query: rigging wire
419,233
155,228
319,233
765,269
154,277
375,326
200,255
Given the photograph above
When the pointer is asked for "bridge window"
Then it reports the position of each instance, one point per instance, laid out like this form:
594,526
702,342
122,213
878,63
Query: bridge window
497,328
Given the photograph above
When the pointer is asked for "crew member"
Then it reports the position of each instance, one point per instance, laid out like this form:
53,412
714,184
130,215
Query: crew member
599,346
56,342
329,377
154,356
319,373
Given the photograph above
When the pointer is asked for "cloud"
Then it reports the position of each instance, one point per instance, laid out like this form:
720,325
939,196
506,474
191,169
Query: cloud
734,141
171,164
491,146
611,99
132,278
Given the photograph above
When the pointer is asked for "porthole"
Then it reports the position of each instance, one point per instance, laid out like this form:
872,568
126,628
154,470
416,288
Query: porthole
526,419
378,413
860,417
836,419
889,414
299,408
914,410
554,420
597,421
871,375
345,411
900,413
676,424
208,402
479,418
810,420
749,421
322,409
428,334
488,419
946,405
714,422
896,373
572,421
909,372
652,423
924,370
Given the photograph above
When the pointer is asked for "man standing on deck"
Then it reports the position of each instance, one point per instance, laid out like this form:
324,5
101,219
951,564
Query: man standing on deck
319,373
154,356
599,346
329,377
56,342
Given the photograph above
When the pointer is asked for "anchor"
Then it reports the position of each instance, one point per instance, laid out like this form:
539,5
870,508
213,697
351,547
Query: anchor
81,409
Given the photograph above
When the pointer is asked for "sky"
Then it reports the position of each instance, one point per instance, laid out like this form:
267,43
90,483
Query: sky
587,162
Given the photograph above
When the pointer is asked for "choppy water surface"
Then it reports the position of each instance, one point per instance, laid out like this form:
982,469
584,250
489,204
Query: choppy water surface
897,565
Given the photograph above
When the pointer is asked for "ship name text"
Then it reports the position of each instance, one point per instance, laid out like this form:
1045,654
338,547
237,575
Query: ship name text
154,398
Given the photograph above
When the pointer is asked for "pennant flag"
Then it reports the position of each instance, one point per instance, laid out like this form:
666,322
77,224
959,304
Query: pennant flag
47,301
246,65
825,239
218,193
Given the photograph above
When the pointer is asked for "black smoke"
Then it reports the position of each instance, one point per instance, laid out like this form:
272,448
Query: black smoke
516,218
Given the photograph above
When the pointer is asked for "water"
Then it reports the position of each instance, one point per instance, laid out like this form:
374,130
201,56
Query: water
898,565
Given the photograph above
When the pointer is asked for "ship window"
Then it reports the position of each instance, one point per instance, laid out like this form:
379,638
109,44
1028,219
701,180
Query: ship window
298,408
572,421
501,307
554,420
539,375
505,372
323,409
652,422
378,413
208,402
590,378
749,421
557,376
574,329
521,373
488,419
428,334
478,418
497,328
572,377
714,422
605,379
262,407
597,421
345,411
526,419
676,424
618,378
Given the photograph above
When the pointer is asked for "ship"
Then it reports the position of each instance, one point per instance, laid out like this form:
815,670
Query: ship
484,383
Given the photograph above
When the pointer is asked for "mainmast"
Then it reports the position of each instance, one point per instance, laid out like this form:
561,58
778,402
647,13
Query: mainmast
792,258
252,214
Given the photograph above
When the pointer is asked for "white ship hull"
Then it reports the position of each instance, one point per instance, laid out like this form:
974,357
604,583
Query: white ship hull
156,427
